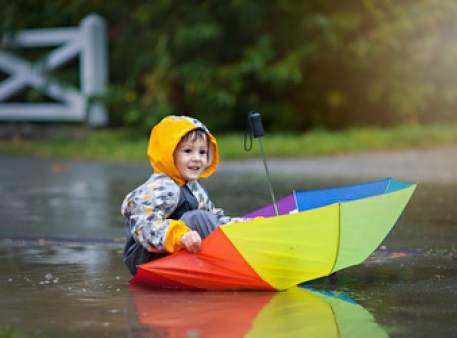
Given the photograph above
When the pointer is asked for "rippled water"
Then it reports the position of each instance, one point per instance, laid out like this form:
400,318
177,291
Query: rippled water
62,273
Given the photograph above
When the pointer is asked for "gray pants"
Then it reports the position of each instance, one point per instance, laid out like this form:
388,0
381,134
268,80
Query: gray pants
204,222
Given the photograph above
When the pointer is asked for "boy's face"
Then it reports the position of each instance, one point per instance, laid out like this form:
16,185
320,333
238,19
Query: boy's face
191,158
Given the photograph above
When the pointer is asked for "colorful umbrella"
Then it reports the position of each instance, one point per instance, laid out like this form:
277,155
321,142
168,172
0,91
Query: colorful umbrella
297,312
317,233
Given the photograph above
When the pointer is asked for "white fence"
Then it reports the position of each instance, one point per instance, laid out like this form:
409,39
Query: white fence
88,41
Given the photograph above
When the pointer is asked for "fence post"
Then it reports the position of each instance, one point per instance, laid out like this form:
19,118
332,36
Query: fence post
94,68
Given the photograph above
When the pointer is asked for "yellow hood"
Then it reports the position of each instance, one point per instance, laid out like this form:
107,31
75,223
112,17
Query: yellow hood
166,135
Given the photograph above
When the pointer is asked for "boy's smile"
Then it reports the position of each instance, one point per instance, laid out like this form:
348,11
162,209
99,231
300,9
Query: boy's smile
191,158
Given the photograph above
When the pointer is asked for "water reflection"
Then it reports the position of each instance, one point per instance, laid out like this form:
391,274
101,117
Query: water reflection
82,291
293,313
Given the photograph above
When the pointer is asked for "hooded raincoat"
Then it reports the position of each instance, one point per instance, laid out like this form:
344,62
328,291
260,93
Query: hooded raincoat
152,211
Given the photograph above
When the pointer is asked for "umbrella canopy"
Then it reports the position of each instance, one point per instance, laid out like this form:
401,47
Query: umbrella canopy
317,233
296,312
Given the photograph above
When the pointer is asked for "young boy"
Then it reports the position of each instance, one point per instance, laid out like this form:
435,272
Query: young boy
171,210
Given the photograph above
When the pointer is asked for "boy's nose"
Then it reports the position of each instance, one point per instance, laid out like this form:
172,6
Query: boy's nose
197,156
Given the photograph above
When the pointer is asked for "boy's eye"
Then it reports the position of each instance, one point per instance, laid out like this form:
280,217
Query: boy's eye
202,152
187,151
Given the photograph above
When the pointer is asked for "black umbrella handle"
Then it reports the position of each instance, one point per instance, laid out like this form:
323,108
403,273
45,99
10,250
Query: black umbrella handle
255,122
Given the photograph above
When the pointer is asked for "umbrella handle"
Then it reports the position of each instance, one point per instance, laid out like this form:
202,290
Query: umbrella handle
255,121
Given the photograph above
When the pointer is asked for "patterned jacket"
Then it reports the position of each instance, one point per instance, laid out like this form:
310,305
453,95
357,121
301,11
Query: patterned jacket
148,208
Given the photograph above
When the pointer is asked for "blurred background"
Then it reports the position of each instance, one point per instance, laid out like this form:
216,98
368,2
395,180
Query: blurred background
304,64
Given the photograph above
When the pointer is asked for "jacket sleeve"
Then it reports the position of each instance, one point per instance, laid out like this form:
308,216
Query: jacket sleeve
147,209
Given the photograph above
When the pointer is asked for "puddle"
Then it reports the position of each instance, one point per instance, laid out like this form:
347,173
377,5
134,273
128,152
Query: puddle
62,271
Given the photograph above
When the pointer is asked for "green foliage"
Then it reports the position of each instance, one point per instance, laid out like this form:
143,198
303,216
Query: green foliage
302,64
409,52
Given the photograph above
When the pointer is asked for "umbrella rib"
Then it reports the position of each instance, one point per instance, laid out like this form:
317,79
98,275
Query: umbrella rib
339,239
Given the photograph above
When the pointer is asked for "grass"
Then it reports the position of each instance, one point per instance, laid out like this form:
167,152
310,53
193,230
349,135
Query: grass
7,332
125,145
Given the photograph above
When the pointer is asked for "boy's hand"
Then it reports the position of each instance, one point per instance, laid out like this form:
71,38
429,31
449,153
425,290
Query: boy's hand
192,241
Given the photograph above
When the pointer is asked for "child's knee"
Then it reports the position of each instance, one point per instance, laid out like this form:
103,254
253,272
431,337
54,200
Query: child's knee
204,222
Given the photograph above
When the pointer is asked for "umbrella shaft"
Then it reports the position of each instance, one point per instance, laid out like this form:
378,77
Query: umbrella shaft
268,177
